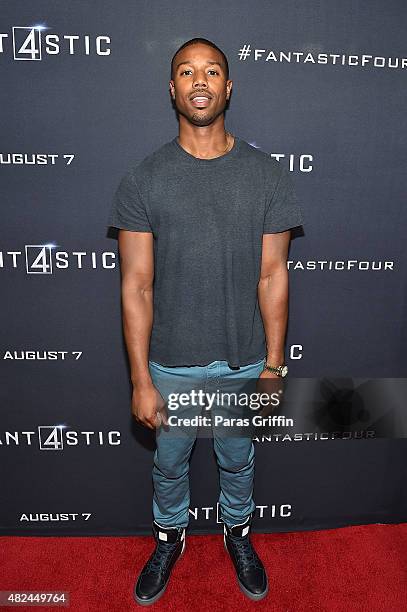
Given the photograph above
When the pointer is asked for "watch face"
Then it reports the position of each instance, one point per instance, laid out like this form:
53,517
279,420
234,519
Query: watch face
284,371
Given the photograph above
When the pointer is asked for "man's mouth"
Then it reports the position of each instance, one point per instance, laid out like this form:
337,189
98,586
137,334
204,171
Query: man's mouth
200,100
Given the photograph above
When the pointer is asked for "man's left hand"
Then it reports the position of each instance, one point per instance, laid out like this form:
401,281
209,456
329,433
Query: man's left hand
269,382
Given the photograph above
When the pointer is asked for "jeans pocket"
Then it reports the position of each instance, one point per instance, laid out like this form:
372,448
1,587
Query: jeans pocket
153,363
256,364
262,360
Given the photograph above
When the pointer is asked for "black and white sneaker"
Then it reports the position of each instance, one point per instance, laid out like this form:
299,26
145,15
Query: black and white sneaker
251,575
154,577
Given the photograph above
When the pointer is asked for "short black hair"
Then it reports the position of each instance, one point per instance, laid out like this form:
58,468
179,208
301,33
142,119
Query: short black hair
204,41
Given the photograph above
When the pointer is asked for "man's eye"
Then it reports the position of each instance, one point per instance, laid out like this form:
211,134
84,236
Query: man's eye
188,70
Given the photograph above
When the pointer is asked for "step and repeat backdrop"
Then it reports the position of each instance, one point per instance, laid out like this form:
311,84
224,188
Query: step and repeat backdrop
84,95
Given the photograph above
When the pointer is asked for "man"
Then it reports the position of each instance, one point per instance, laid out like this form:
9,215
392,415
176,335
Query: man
204,234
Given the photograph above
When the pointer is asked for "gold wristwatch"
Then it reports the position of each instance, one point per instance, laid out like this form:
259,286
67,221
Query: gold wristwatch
281,370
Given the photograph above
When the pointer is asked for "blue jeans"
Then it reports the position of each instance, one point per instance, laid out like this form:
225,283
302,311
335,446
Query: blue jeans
234,455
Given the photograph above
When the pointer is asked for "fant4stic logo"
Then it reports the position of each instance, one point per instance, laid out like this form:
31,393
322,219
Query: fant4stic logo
32,43
55,437
46,258
58,437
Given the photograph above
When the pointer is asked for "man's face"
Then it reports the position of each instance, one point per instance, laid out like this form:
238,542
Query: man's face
199,86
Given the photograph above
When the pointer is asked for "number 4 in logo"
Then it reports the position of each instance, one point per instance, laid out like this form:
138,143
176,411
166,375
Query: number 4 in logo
50,437
26,46
38,259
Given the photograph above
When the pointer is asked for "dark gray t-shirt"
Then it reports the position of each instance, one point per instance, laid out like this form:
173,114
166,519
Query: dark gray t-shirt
207,217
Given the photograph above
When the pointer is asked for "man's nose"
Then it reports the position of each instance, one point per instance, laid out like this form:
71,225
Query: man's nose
200,80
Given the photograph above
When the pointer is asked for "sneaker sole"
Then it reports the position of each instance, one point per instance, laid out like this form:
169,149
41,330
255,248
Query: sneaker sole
249,594
253,596
148,602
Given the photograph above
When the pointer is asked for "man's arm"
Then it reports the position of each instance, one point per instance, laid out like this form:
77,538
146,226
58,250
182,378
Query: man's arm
272,291
137,274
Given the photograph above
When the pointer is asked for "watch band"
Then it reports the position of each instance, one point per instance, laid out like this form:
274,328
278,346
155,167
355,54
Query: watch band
280,370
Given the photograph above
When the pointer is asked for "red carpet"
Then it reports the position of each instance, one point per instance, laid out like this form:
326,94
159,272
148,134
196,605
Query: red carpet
362,568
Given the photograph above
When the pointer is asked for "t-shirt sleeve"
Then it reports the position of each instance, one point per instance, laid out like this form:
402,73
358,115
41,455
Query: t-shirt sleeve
283,211
128,210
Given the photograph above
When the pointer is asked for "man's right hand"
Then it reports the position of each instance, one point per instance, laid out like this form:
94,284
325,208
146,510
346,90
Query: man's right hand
146,403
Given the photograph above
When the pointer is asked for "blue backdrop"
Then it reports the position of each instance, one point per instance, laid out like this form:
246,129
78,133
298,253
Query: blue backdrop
84,95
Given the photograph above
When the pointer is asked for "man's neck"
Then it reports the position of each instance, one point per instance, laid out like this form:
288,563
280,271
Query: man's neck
206,143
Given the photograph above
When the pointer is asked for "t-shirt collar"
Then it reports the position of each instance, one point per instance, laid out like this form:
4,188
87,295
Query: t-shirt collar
214,160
